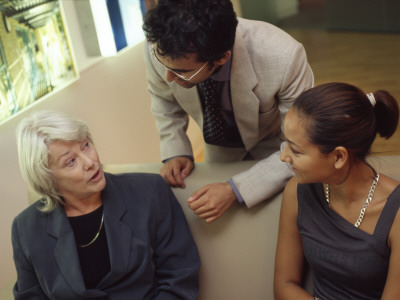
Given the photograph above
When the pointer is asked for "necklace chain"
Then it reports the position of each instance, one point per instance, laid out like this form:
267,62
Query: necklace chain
97,234
367,201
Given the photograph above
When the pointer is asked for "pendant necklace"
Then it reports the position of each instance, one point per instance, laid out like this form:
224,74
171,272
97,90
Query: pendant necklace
367,201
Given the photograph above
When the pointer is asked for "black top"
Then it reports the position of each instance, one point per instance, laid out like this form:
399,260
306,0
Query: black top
347,262
94,259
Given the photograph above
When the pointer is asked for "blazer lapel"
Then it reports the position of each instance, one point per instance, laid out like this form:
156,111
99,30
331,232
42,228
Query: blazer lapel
119,235
189,100
65,251
243,80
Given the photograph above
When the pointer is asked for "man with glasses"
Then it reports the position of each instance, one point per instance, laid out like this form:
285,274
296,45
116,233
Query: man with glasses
237,79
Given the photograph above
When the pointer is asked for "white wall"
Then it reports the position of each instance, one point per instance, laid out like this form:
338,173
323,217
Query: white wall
82,60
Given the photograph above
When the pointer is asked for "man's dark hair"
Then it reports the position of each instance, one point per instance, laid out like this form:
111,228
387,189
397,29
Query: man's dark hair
180,27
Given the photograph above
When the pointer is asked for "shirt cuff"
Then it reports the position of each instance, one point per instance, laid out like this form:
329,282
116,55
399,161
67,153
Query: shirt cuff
188,156
236,191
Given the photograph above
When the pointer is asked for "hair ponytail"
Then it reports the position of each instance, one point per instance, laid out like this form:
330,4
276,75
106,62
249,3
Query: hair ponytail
386,113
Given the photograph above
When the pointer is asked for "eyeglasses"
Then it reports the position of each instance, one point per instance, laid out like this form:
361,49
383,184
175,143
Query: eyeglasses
153,52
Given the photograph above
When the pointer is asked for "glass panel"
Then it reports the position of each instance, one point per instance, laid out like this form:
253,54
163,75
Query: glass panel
7,103
35,56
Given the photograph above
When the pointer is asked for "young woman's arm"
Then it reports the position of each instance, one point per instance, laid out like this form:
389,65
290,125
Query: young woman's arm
392,286
289,259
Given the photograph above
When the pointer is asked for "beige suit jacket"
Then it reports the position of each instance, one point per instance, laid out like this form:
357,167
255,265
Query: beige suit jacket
269,70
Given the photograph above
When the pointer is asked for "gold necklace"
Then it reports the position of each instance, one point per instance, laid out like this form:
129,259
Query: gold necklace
97,234
367,201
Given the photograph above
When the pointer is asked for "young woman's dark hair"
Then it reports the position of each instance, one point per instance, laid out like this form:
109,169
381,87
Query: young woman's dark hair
340,114
180,27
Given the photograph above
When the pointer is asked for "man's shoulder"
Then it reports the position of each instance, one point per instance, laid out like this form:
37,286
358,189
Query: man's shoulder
263,34
247,24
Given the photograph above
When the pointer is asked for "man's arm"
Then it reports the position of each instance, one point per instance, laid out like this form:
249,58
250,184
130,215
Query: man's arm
171,120
212,200
176,169
262,181
270,175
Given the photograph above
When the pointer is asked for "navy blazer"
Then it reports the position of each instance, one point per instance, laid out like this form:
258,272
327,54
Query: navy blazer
152,252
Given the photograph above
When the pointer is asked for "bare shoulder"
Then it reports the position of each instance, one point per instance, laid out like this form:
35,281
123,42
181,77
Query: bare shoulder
289,198
291,188
387,184
394,233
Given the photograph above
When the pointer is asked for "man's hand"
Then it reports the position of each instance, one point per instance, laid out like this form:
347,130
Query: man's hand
176,170
212,200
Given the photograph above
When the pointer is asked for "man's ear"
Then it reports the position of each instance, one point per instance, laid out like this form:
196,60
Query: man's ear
340,156
224,59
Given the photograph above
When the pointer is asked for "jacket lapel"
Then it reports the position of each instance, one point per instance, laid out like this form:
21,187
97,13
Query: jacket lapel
243,81
189,100
119,235
65,251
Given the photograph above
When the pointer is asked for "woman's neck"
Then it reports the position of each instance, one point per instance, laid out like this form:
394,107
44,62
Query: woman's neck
77,207
352,186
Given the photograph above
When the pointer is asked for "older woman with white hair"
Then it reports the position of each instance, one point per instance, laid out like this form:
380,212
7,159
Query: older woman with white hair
95,235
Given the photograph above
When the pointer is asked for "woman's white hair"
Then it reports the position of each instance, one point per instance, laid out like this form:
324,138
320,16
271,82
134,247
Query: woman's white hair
34,134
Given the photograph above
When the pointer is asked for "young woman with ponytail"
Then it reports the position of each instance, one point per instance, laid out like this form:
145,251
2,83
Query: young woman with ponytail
339,215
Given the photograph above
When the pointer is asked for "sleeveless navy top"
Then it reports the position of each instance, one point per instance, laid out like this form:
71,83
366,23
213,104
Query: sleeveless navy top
347,263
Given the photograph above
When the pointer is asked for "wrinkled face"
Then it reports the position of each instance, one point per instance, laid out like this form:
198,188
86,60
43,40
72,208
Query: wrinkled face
306,160
187,67
76,168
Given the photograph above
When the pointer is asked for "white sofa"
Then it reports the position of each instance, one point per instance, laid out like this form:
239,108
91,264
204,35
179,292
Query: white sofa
237,251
